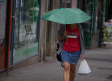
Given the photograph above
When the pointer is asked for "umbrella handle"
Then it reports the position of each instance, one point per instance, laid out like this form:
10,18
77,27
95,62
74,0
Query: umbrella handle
65,27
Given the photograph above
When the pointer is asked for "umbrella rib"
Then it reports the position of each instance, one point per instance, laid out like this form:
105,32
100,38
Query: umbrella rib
54,17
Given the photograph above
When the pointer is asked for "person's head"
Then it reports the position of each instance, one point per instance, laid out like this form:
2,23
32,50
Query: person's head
71,25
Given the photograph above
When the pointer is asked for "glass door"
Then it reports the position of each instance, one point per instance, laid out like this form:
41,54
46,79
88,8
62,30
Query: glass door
25,29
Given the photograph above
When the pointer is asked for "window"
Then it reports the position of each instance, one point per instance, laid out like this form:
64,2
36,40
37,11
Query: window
26,29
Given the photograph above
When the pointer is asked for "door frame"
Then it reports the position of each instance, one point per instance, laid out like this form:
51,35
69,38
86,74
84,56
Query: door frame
7,34
12,32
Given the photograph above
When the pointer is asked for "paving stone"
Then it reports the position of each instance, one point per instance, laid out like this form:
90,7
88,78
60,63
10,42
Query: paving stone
99,61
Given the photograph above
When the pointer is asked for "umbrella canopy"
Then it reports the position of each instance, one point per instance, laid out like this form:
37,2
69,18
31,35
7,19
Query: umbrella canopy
66,16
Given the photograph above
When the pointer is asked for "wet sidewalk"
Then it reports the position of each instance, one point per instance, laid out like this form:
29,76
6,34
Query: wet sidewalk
99,60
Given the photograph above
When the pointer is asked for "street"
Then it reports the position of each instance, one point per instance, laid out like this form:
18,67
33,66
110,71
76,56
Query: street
31,29
99,60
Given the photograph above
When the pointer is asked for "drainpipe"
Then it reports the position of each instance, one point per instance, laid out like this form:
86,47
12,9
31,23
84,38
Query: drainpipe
101,30
94,20
106,15
111,8
10,19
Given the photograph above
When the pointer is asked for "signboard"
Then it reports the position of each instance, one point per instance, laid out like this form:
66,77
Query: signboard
2,18
107,33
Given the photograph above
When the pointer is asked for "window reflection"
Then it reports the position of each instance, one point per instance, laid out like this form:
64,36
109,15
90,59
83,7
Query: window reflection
25,35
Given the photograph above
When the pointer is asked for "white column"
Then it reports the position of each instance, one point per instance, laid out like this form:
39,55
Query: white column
74,3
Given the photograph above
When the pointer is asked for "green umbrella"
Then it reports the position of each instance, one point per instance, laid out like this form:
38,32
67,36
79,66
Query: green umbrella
66,16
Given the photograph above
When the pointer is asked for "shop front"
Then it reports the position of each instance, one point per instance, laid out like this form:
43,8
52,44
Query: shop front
93,27
24,30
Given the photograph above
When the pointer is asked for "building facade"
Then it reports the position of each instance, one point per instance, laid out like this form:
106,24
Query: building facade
93,29
26,39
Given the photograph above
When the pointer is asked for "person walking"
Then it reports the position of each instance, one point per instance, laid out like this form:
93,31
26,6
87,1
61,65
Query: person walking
72,49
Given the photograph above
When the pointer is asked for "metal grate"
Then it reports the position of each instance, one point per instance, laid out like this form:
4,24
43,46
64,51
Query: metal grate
109,77
104,68
99,59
